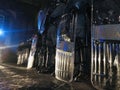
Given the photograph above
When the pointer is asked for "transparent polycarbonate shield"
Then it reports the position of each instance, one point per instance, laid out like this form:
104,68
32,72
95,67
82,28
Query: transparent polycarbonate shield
32,53
105,44
26,54
19,58
105,47
64,64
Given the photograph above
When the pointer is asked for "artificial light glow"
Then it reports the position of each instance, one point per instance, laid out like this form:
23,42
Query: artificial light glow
1,32
5,47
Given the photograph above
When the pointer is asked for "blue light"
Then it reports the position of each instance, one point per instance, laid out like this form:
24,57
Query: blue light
1,32
41,21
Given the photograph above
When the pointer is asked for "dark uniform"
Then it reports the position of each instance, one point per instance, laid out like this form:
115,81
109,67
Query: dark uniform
51,35
79,7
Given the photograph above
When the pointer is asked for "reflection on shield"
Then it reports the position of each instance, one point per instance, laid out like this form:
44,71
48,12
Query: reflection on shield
105,56
64,65
32,53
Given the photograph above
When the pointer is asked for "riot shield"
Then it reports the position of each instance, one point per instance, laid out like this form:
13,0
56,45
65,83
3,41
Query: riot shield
22,54
64,63
105,47
19,57
32,53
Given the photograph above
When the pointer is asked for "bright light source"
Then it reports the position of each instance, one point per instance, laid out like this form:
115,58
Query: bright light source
1,32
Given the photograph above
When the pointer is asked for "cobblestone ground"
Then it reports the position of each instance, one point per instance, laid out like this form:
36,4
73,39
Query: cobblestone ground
13,77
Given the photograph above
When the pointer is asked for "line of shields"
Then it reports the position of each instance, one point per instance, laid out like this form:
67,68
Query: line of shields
105,60
105,55
23,53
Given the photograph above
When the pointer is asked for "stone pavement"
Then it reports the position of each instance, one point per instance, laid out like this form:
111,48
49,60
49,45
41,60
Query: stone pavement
13,77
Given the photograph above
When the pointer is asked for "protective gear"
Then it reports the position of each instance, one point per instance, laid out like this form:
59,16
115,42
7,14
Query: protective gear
59,10
78,5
